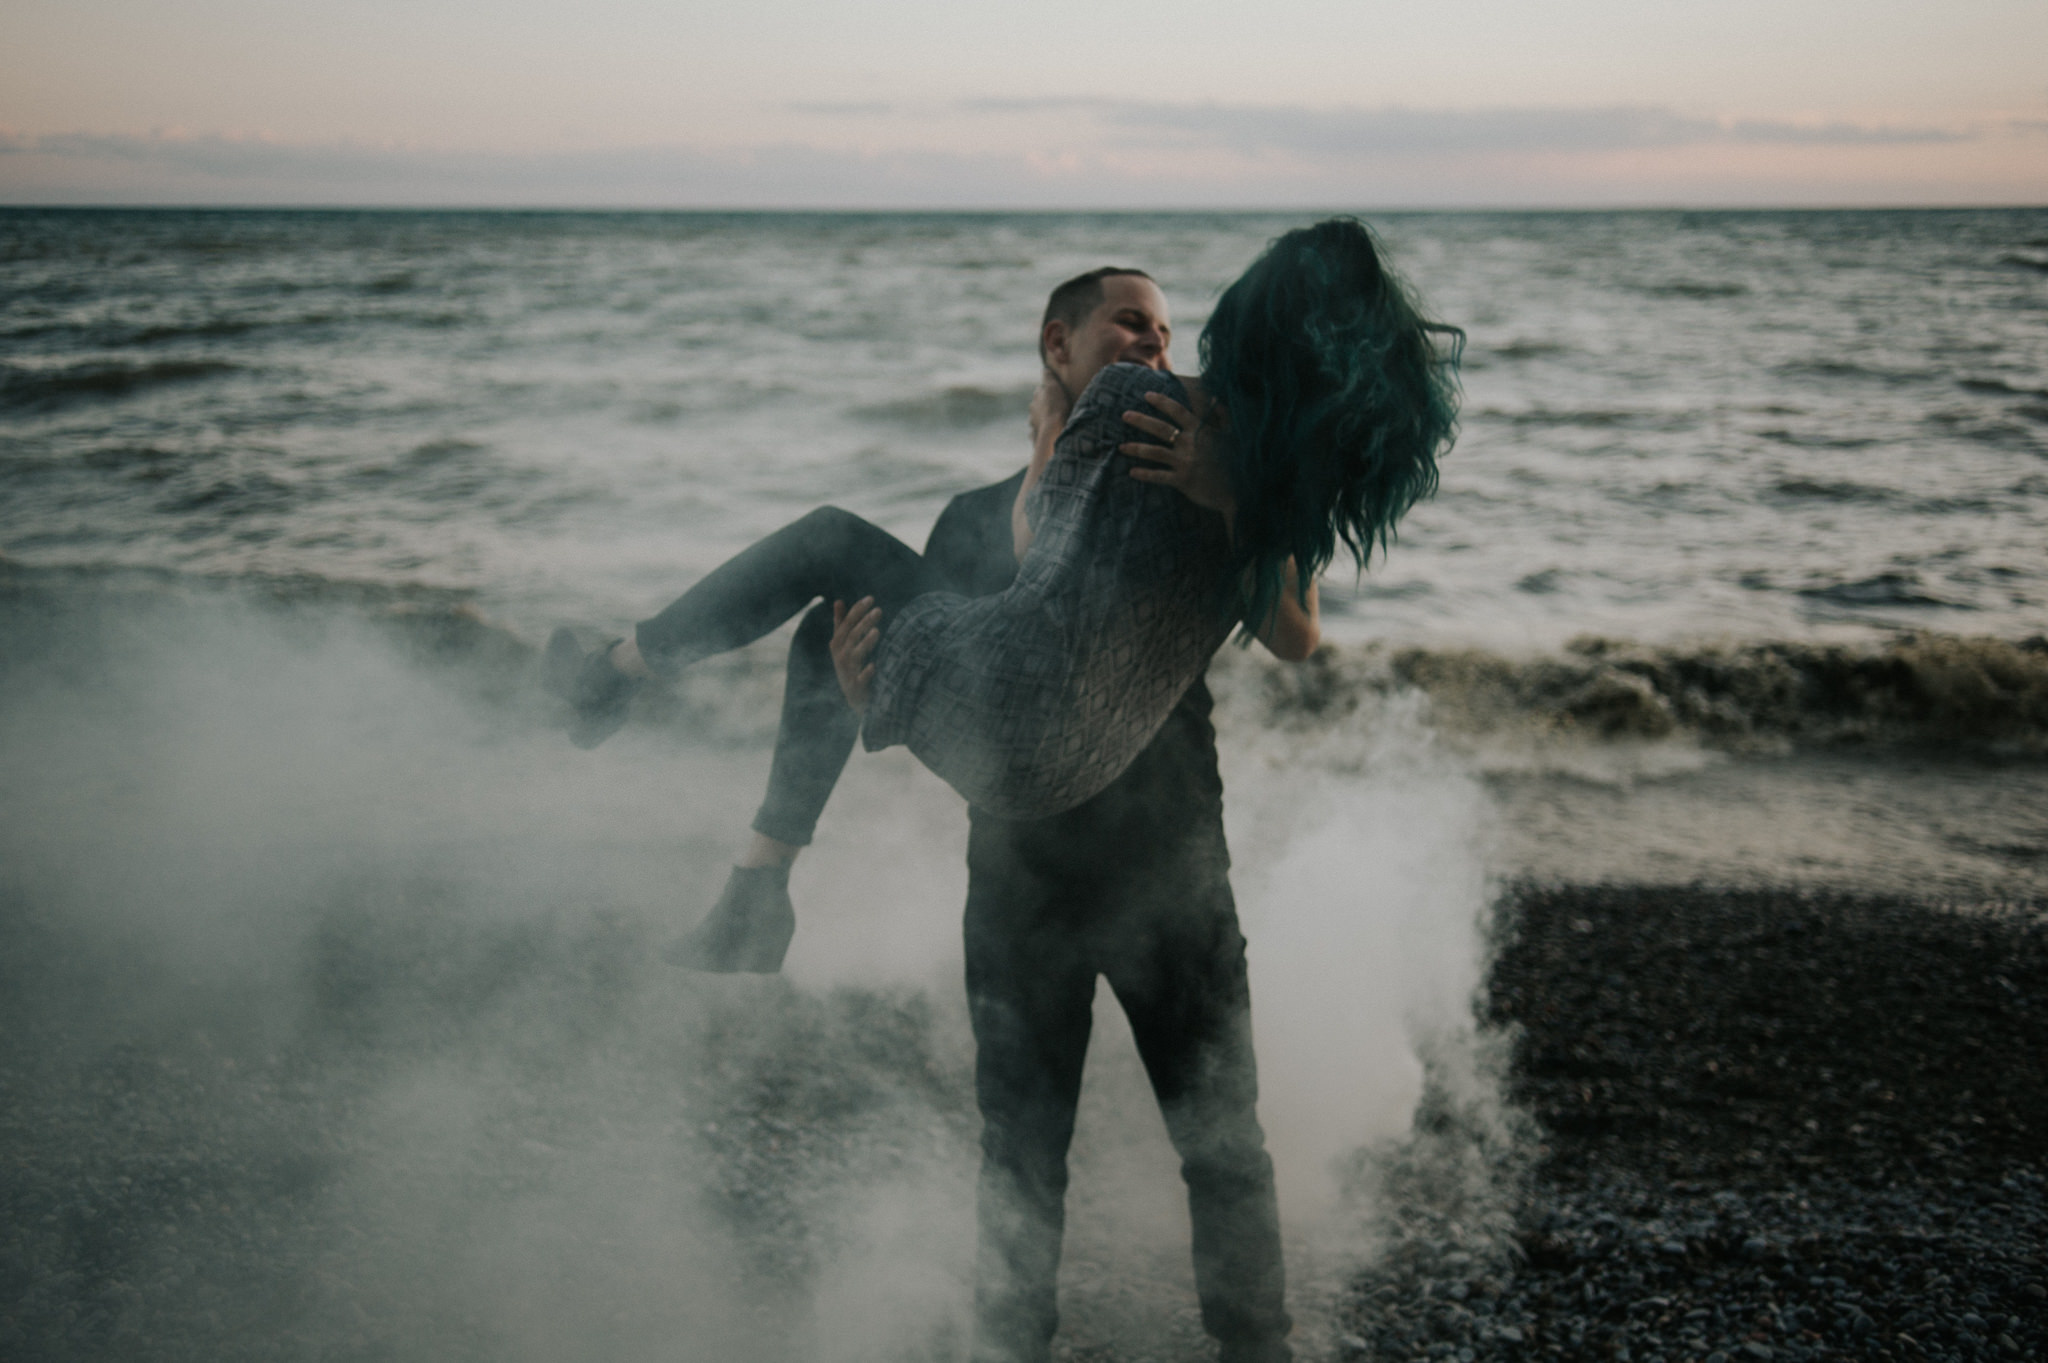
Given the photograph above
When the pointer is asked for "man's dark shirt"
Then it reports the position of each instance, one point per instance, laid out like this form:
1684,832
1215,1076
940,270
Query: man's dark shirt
1169,802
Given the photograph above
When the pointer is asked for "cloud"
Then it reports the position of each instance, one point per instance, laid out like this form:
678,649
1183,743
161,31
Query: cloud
101,168
839,108
1397,131
1053,154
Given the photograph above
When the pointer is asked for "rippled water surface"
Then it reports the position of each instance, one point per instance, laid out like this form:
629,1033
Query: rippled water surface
1756,424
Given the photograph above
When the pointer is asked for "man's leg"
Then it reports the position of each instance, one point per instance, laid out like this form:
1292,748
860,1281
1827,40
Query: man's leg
1179,972
1030,992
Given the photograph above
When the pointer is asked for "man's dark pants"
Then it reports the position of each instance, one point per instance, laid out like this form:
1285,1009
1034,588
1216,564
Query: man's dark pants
1133,886
1114,889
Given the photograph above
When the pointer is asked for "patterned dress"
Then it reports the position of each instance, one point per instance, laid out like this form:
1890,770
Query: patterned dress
1033,700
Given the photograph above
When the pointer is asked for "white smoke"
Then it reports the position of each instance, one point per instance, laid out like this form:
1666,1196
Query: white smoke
1362,878
395,951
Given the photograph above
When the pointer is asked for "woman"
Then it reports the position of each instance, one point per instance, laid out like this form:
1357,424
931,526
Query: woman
1325,399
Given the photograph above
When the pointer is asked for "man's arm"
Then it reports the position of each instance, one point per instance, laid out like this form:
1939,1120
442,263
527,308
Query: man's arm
1050,407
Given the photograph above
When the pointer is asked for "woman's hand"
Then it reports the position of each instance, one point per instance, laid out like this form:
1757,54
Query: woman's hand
1190,459
855,631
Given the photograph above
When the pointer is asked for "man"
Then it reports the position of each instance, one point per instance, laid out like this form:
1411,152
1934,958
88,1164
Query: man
1132,885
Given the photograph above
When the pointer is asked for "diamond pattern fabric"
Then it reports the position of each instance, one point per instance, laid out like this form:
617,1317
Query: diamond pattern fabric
1031,701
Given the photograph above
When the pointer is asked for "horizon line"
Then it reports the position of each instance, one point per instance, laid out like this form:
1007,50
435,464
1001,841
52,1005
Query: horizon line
1190,210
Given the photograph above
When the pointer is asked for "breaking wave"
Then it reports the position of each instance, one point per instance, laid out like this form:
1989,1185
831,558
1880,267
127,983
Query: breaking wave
1913,690
1918,689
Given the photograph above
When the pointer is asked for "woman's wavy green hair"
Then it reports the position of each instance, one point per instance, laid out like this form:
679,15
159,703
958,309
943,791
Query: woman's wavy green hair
1340,397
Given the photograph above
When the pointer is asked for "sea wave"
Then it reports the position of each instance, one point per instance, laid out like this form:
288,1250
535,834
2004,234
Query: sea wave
1835,369
1916,690
1882,589
33,387
960,405
1833,490
2000,388
1597,417
1702,290
1527,350
1958,692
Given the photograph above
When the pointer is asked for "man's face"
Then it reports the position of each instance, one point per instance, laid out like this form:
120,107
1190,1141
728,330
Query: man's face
1129,326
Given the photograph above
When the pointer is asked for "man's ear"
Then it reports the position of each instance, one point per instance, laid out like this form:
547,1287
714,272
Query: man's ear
1053,341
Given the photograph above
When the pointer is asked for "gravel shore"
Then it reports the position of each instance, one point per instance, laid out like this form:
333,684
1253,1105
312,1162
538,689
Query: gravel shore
1753,1125
1773,1126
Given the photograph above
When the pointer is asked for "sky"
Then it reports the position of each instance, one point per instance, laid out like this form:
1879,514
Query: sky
1050,104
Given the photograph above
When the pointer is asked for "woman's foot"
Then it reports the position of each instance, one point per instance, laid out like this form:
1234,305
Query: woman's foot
578,666
747,929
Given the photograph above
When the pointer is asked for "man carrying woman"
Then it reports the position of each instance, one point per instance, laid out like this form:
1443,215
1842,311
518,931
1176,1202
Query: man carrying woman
1067,704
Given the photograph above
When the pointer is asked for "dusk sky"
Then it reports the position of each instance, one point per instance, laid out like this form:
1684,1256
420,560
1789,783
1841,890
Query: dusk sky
1053,104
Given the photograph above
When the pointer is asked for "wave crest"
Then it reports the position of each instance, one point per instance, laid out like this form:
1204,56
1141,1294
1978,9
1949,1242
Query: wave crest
1918,689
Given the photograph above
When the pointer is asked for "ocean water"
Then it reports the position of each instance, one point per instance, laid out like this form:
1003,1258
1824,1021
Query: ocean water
1677,425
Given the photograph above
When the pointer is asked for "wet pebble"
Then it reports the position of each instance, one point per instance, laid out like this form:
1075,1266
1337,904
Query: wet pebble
1727,1236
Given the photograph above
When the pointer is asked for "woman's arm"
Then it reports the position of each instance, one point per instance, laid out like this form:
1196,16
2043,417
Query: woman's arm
1293,630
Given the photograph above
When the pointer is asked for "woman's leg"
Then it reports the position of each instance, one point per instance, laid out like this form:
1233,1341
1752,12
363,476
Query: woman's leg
813,741
750,925
829,553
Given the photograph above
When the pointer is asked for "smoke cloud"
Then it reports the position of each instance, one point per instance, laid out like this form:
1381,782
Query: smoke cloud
335,1018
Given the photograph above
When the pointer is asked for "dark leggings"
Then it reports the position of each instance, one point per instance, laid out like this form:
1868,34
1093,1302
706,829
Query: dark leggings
829,553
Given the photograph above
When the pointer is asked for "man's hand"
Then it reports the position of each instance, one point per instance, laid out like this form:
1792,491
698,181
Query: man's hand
1051,404
855,632
1189,458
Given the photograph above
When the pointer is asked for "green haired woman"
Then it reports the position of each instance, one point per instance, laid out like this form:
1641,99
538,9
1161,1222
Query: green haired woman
1324,402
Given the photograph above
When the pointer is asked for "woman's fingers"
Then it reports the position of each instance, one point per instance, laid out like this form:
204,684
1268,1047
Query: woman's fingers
1180,416
1157,454
1152,425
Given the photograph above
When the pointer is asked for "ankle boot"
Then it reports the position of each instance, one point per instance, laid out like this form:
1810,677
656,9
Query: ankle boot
578,667
748,929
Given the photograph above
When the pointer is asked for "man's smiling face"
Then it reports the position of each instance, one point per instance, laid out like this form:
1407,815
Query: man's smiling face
1129,326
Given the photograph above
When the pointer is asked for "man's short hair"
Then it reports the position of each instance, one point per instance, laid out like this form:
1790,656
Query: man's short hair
1076,300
